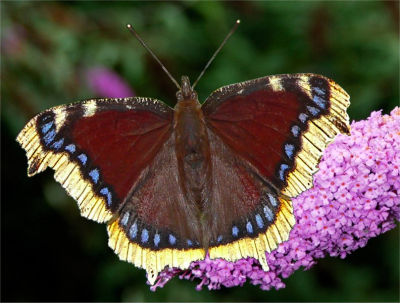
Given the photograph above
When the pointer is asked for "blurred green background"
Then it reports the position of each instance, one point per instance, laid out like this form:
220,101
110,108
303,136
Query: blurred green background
50,253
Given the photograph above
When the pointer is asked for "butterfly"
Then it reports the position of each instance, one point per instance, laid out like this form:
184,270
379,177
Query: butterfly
175,184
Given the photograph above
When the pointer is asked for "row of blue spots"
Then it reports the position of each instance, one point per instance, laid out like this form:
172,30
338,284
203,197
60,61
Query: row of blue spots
289,150
249,227
107,193
272,199
268,213
145,236
49,136
318,97
282,171
157,238
314,111
303,117
94,174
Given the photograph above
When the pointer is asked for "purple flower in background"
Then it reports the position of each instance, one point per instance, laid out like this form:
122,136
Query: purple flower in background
108,84
356,196
13,40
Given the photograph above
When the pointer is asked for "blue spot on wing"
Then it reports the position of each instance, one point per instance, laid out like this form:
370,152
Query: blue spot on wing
272,199
156,240
133,231
318,91
282,171
94,174
83,158
171,239
268,213
145,236
313,110
289,150
71,148
125,219
296,130
319,101
259,220
46,127
57,145
303,117
319,97
107,193
249,228
189,242
235,231
219,239
49,137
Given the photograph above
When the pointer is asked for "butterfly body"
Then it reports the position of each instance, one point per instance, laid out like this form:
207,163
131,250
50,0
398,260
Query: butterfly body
192,147
177,184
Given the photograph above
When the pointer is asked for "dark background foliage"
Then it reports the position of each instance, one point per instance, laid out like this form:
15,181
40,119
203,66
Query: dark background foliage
50,253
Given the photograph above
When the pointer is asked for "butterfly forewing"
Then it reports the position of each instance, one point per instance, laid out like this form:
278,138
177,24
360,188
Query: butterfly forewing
279,124
90,146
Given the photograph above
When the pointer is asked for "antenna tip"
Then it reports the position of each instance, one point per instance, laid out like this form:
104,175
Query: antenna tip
237,21
129,26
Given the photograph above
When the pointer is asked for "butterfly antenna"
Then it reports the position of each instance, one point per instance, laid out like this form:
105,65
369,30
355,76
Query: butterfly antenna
212,58
133,31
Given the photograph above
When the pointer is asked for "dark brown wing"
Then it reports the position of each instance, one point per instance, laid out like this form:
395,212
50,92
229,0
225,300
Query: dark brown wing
105,153
273,130
245,215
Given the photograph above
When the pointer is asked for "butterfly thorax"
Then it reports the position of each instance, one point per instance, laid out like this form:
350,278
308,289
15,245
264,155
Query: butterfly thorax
192,146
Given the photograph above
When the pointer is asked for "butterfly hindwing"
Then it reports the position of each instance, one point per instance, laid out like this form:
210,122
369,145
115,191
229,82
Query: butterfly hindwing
245,215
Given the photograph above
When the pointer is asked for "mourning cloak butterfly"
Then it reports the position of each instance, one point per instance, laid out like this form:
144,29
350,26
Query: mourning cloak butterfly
174,184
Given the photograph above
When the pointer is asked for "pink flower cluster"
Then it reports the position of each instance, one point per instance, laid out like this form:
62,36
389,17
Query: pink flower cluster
356,196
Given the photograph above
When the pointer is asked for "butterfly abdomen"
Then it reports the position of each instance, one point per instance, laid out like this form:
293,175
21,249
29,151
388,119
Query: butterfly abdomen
192,150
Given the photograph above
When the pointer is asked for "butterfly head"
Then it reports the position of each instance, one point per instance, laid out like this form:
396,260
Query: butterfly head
186,92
